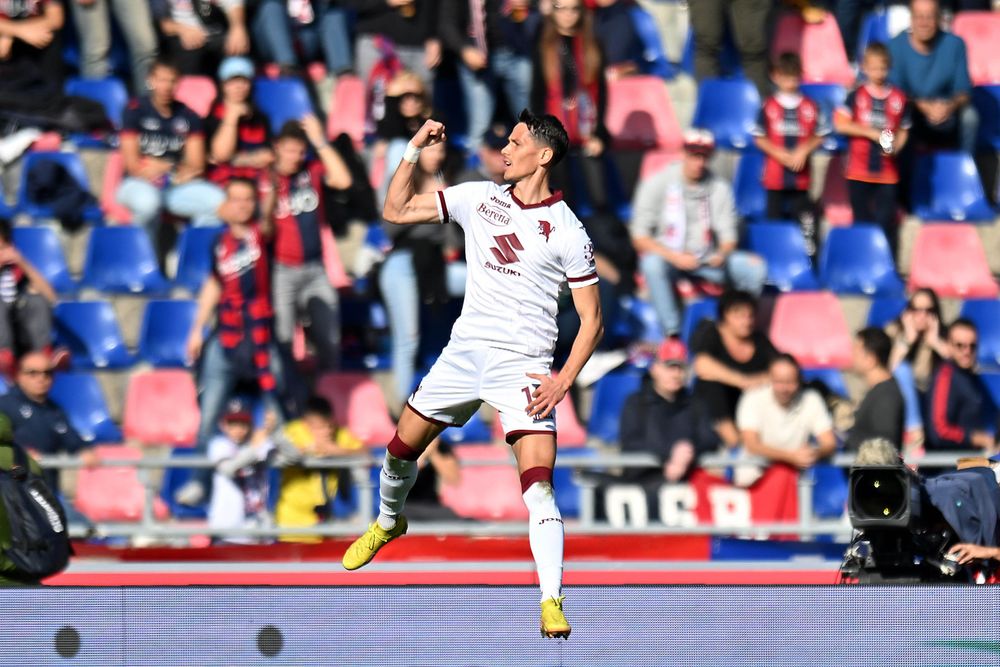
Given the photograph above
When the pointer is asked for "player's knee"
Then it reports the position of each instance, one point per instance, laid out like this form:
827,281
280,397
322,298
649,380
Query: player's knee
401,450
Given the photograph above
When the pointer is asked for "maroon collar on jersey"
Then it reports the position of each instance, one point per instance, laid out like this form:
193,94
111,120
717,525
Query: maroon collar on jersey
555,197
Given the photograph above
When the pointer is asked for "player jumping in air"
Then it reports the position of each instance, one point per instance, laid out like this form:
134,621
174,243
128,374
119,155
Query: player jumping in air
521,243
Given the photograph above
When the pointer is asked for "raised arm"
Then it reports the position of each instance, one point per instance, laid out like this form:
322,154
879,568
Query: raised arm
402,205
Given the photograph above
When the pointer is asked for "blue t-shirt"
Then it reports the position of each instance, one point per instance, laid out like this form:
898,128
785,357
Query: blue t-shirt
941,74
159,136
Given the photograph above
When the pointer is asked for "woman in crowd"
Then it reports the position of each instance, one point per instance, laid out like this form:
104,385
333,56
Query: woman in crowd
238,133
918,337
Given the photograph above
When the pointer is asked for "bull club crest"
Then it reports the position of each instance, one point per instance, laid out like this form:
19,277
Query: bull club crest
545,228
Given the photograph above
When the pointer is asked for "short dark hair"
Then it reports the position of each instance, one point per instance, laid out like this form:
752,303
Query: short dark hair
960,323
319,406
292,129
164,62
879,50
548,131
876,342
240,180
788,63
784,358
736,298
6,230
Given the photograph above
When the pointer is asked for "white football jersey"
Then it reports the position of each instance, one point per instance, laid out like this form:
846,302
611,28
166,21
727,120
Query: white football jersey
518,257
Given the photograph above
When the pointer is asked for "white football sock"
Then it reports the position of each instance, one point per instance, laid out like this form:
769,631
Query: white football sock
545,534
394,484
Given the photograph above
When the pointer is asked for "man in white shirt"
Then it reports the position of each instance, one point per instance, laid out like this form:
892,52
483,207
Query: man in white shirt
778,420
522,243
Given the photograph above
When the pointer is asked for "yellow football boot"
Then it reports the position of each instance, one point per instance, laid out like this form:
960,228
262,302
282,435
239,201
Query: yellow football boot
554,623
365,547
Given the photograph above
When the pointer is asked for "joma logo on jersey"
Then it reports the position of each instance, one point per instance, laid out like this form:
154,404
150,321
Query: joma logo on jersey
492,215
507,245
497,200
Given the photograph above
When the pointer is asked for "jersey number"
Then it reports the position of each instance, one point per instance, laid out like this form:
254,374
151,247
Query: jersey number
506,245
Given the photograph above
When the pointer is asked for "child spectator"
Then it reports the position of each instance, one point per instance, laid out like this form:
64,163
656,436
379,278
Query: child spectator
238,133
306,493
240,482
790,127
876,117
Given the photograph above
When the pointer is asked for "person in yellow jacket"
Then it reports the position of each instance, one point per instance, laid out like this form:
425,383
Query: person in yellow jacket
305,493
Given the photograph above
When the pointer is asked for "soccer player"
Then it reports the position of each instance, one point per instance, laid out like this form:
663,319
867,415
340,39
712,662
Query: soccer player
521,242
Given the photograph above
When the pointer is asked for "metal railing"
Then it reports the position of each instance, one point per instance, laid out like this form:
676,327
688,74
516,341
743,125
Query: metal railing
360,468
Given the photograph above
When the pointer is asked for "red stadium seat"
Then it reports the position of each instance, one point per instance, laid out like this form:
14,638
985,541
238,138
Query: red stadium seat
811,327
114,494
359,405
949,258
197,92
491,493
818,44
347,110
835,201
980,31
161,408
114,172
640,114
655,160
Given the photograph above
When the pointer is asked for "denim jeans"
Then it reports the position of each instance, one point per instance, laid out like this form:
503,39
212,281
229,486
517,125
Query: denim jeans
911,400
507,69
274,34
743,270
93,25
197,200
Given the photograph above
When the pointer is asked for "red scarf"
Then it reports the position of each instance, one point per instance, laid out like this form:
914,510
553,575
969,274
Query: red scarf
578,105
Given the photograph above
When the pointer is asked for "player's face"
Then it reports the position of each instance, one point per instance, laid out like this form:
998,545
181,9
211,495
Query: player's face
289,155
875,69
521,154
784,379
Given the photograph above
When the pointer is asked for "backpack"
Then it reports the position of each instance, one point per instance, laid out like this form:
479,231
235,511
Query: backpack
39,542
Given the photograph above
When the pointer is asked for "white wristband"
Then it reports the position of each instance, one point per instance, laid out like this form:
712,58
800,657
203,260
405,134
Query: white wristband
411,154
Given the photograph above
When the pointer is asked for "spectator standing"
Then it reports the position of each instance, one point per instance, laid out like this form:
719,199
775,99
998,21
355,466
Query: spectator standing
26,301
881,413
747,19
493,42
93,26
730,357
931,67
31,47
199,33
294,192
163,149
400,30
284,30
917,337
239,134
876,118
615,28
684,225
790,127
959,405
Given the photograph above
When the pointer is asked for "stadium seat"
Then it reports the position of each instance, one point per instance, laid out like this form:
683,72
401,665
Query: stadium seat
885,309
782,245
751,198
949,259
121,260
980,30
857,260
359,405
114,173
74,165
81,398
173,480
638,321
829,491
811,327
946,186
694,314
282,100
728,108
881,26
114,494
986,314
654,58
991,380
987,101
347,110
194,256
488,492
475,431
640,114
655,160
161,408
90,331
164,332
197,92
831,377
566,489
110,92
609,397
41,247
829,97
818,44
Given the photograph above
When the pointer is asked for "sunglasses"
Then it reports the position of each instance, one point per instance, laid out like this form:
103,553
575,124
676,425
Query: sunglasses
35,372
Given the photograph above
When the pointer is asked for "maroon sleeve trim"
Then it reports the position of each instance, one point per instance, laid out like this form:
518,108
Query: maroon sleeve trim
444,206
581,279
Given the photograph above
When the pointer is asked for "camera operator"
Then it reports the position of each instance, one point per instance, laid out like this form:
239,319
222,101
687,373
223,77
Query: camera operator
965,552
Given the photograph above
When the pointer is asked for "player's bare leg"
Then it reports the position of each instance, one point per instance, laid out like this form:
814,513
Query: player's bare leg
536,455
399,472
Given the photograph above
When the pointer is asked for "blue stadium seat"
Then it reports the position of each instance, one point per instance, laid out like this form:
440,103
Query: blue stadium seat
694,313
748,189
946,186
90,330
174,479
654,57
164,332
121,260
566,489
782,245
829,97
986,315
282,100
475,430
41,247
110,92
610,393
727,107
831,377
81,398
829,491
857,260
987,101
885,309
874,28
637,321
991,380
74,165
194,256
